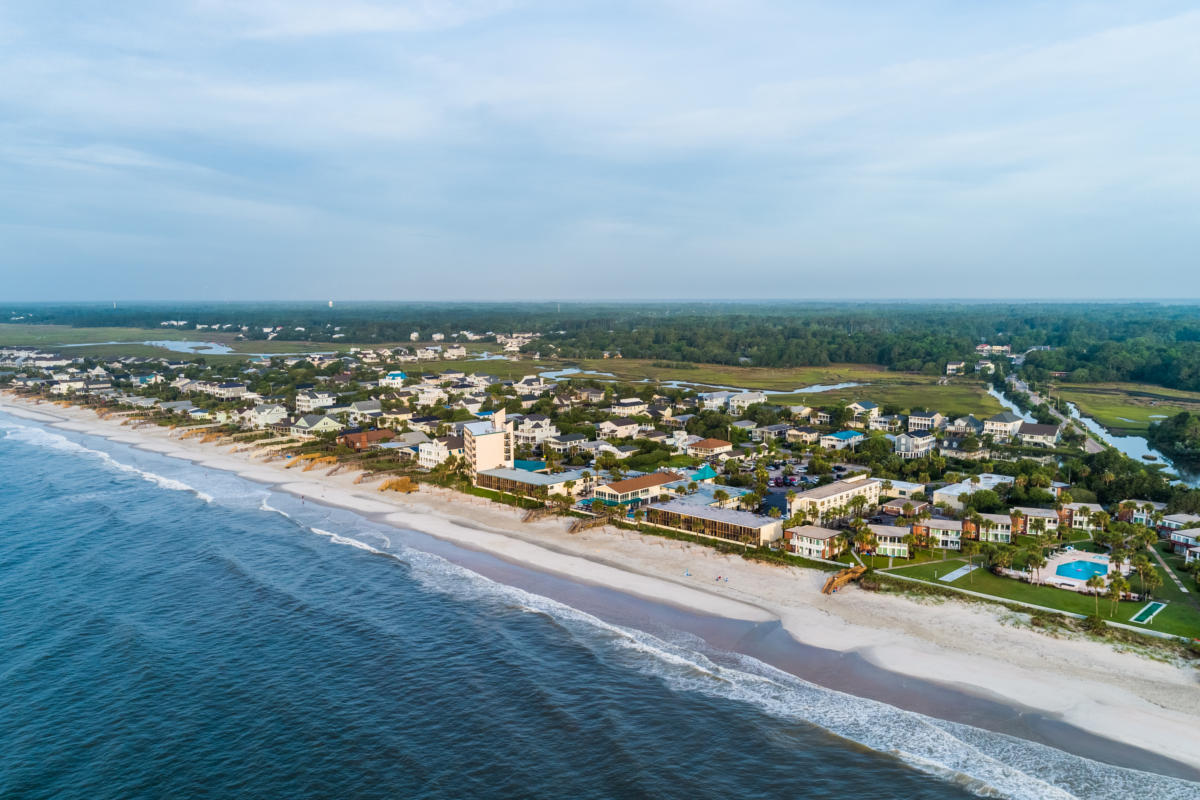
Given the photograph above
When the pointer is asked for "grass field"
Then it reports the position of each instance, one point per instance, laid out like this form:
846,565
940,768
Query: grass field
1180,617
16,334
1127,407
953,400
786,379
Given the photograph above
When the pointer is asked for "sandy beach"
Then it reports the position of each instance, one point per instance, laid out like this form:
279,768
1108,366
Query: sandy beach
984,651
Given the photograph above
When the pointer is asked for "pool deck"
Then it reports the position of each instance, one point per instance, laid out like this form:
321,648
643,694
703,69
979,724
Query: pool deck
1050,576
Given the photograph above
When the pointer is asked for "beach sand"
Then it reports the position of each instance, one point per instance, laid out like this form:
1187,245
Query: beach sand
977,649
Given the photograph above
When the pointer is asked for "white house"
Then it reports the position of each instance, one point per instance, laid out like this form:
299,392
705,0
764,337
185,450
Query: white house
1002,426
914,445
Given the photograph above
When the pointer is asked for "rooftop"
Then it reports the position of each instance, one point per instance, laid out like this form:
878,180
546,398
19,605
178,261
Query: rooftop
743,518
532,478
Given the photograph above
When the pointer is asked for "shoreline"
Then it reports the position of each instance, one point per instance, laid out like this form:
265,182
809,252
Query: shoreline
1119,697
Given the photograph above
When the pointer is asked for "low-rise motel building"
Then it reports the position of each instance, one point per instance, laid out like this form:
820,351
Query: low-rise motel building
523,482
727,525
634,492
816,504
813,541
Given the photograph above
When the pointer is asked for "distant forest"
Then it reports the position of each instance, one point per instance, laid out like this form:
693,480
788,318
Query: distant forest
1146,342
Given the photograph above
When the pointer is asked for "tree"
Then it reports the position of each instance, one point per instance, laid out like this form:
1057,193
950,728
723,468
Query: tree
721,496
1096,583
1116,587
1036,559
969,548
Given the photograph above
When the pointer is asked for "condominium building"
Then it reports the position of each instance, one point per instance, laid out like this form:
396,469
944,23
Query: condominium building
488,444
817,503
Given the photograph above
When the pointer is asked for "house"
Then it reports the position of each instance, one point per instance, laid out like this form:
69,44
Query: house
803,436
263,416
620,428
1002,426
364,411
425,424
890,540
488,444
955,367
589,395
725,524
914,445
768,433
889,423
534,429
634,492
566,443
365,440
842,440
738,403
714,401
985,366
864,410
965,426
1033,434
812,541
629,406
995,528
900,489
229,390
895,508
394,379
309,400
825,501
950,494
925,421
707,448
944,534
1183,532
1034,519
822,417
314,425
431,454
1080,516
1139,512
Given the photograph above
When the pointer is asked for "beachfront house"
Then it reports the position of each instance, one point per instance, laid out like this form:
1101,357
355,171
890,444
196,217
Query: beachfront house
944,534
812,541
890,540
523,482
437,451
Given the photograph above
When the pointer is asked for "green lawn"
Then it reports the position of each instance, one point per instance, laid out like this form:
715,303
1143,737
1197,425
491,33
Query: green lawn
1180,617
1128,407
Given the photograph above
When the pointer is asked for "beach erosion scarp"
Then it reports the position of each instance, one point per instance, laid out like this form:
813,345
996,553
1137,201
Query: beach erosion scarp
975,648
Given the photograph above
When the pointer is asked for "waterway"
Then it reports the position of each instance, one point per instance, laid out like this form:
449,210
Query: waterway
1132,446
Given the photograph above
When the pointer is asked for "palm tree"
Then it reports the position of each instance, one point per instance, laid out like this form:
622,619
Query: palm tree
1116,587
1141,565
1096,583
969,548
1037,560
721,496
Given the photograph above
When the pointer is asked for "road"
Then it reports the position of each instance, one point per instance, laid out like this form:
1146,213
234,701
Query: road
1090,445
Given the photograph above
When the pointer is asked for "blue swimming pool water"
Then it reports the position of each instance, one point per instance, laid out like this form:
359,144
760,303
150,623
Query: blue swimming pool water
1081,570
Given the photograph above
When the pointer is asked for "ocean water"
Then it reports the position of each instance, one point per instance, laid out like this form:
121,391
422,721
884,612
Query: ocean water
168,630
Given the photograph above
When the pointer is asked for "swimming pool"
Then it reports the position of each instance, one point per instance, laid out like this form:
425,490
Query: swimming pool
1080,570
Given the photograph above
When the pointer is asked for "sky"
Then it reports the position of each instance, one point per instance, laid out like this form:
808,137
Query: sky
677,149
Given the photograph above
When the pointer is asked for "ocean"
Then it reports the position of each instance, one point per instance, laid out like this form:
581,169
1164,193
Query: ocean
169,630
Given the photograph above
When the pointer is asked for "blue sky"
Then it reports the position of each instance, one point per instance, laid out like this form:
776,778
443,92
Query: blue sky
303,149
